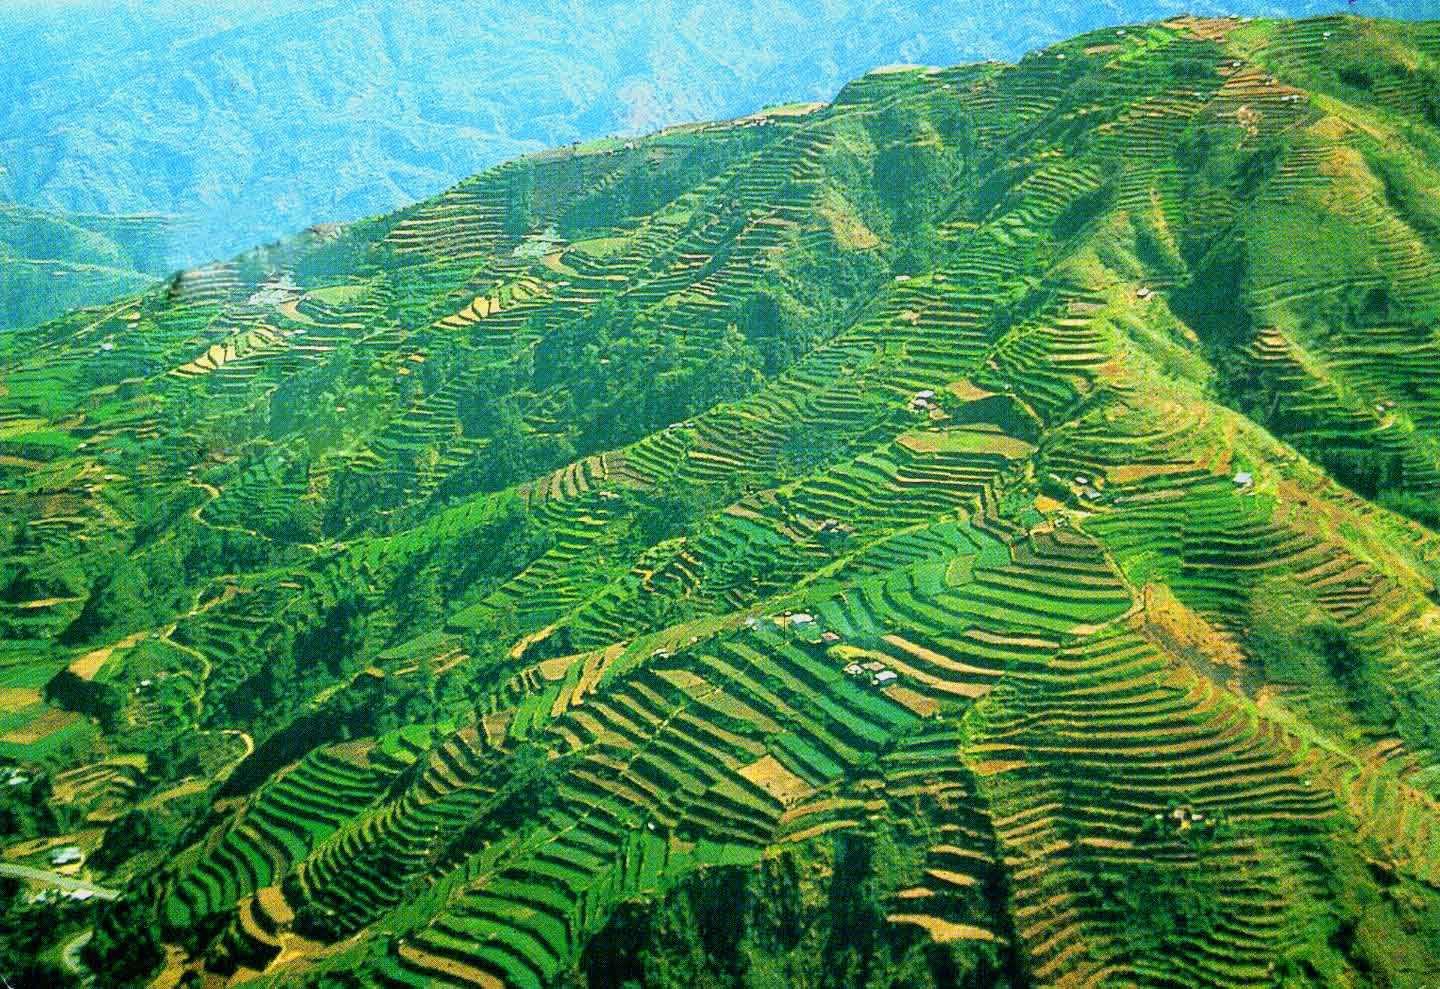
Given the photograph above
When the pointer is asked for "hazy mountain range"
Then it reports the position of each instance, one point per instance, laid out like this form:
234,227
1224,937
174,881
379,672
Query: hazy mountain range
241,122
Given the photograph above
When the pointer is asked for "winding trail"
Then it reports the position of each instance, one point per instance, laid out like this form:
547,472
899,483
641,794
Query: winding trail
70,955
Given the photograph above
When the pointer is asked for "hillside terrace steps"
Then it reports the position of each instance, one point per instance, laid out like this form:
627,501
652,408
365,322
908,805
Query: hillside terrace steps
709,742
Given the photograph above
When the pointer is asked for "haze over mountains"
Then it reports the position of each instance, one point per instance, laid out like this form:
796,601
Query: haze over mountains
224,125
978,531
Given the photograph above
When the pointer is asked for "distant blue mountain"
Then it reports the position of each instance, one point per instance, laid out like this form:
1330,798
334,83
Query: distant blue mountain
246,121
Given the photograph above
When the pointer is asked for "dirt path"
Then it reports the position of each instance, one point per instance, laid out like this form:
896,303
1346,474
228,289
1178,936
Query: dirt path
214,493
203,676
244,737
291,311
70,955
46,603
55,879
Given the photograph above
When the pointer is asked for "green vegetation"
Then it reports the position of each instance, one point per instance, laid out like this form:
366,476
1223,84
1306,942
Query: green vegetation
977,532
55,262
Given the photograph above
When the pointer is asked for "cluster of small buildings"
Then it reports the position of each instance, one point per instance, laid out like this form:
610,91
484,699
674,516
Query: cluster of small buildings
795,619
923,401
879,675
1182,817
54,895
275,292
12,776
1087,486
68,855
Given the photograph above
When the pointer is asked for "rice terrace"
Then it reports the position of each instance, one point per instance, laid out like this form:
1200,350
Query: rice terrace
979,530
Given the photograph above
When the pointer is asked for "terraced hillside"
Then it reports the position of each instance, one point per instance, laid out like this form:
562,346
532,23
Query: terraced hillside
979,531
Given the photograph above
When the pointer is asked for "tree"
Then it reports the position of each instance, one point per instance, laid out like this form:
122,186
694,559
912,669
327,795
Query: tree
508,456
125,945
519,200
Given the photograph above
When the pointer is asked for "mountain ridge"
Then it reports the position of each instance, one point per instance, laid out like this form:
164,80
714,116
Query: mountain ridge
238,142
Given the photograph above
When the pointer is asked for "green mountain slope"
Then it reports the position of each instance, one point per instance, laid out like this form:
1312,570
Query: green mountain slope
978,531
56,262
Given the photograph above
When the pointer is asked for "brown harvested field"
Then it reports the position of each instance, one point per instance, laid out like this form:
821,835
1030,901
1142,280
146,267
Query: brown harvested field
18,698
186,789
822,806
89,664
967,391
294,946
272,901
939,684
595,665
768,774
1107,844
1205,28
966,441
496,726
849,230
356,752
291,311
1169,623
816,830
792,110
445,662
42,727
994,767
942,931
915,893
718,700
525,642
940,660
1131,473
88,839
553,262
918,704
459,971
555,669
173,971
